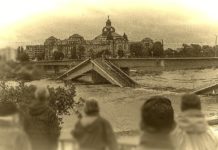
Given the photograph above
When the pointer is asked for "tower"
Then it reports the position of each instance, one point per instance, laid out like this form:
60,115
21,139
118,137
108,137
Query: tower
108,28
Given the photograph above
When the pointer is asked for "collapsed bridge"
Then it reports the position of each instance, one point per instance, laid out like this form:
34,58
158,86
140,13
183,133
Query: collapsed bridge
101,71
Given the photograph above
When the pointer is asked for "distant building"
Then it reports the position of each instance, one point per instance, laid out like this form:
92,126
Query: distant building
147,43
8,54
107,40
110,40
34,50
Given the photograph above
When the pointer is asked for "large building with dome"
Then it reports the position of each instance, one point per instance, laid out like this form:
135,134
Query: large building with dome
109,40
75,45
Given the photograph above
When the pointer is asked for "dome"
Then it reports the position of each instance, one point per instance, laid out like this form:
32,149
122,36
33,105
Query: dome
147,40
51,40
75,36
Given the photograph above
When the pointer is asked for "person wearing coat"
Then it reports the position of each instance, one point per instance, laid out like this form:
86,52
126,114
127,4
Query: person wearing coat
12,134
42,124
192,131
93,132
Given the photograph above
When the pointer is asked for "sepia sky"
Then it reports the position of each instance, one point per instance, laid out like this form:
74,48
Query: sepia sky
26,22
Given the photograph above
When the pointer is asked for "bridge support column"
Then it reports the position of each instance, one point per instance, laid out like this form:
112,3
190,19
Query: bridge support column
97,79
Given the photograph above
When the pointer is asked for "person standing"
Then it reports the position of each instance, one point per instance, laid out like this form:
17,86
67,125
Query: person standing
157,123
93,132
193,131
42,122
11,131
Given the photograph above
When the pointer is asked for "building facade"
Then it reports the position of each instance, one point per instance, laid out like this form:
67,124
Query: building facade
77,47
35,50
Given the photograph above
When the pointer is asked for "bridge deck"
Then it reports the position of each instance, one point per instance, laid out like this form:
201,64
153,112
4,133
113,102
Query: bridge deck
104,68
206,89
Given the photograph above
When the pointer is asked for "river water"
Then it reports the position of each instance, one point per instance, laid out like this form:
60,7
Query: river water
121,106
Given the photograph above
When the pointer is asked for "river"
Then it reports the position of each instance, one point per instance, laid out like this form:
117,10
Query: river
121,106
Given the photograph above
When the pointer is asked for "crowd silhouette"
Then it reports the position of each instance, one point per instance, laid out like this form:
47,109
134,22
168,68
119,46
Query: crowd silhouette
160,128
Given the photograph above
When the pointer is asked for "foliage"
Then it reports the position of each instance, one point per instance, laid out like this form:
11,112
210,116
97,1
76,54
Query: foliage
136,50
58,55
19,71
157,49
40,56
22,56
81,51
61,98
170,53
73,53
106,53
91,53
208,51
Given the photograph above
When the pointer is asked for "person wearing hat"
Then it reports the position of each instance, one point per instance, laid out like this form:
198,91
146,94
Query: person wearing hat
42,124
93,132
11,133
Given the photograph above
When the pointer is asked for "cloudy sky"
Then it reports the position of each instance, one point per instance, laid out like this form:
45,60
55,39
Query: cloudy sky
175,21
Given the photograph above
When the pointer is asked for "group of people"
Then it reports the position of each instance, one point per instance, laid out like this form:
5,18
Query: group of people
160,128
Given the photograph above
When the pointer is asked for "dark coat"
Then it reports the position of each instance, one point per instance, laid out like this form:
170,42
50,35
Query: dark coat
155,141
13,137
95,136
42,127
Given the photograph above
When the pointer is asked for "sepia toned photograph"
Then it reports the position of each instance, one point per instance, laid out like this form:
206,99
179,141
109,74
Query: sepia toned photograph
109,75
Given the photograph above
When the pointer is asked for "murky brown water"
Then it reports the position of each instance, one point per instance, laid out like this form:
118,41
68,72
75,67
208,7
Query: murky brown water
122,105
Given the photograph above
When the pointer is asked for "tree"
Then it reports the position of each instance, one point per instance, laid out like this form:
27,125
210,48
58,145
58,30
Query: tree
170,53
105,52
193,50
22,56
57,55
40,56
61,99
136,50
91,53
196,50
157,49
81,51
73,53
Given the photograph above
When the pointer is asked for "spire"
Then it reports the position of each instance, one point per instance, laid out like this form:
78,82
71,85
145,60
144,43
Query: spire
108,22
125,36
